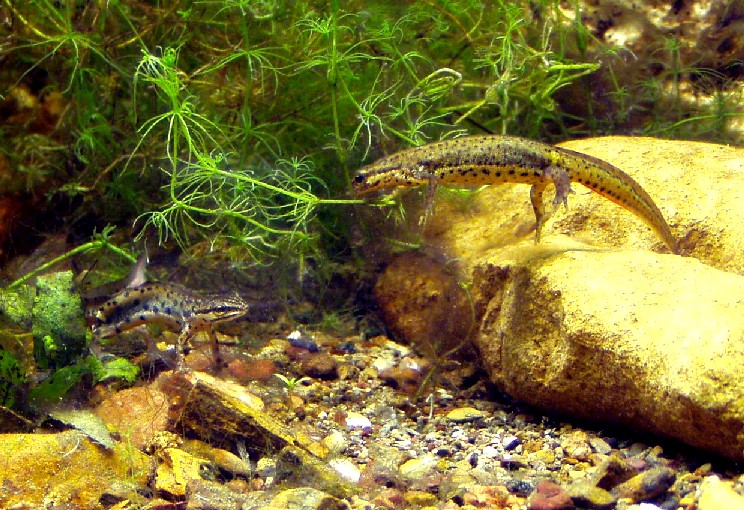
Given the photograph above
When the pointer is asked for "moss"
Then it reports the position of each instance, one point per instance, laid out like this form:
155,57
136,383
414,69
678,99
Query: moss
58,323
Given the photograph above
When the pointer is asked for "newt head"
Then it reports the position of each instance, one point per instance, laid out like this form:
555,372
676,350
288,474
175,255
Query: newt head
385,175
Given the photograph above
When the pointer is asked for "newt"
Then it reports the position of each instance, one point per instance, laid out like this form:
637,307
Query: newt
492,159
174,306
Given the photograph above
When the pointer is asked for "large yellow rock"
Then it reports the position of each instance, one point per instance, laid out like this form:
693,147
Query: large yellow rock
67,470
587,322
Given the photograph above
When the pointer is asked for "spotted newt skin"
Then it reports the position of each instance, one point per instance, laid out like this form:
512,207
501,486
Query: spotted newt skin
492,159
177,308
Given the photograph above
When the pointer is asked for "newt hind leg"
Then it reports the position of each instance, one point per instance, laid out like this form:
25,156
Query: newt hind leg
562,182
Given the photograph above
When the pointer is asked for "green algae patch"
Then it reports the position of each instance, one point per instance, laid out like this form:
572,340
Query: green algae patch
117,368
11,378
58,324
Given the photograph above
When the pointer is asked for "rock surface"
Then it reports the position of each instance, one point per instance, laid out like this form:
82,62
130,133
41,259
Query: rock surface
653,341
67,470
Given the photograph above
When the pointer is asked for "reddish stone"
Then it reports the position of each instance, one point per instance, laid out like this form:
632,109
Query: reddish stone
549,496
251,370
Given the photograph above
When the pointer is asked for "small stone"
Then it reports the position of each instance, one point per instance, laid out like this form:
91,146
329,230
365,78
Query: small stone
419,499
576,445
176,470
647,485
546,456
716,495
208,495
223,459
321,366
390,498
415,469
307,498
137,413
244,370
346,469
336,442
357,421
587,496
510,442
266,467
599,445
613,471
510,461
521,488
549,496
465,414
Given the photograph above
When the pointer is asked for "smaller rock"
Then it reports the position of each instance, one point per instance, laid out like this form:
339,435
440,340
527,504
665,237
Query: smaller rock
510,442
208,495
549,496
465,414
599,445
545,456
302,340
576,445
266,469
415,469
336,442
136,413
346,469
420,499
647,485
406,375
510,461
717,495
587,496
389,499
224,460
245,370
307,498
177,469
613,471
320,366
357,421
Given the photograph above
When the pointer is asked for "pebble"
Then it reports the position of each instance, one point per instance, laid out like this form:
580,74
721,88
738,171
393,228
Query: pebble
588,496
307,498
302,341
576,445
718,495
320,366
465,415
346,469
419,499
510,442
415,469
336,442
549,496
355,420
251,370
647,485
599,445
612,471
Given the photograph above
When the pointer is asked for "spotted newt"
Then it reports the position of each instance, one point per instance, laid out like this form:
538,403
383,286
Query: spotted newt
492,159
175,307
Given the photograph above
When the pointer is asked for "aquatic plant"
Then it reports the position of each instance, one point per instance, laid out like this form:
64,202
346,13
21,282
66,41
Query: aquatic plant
238,121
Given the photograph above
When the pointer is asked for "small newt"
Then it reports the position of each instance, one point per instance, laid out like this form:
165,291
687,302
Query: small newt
493,159
175,307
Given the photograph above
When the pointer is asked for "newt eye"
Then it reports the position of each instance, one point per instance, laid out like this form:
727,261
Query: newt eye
359,178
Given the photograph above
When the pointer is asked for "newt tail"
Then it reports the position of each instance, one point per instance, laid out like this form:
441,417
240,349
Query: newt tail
492,159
